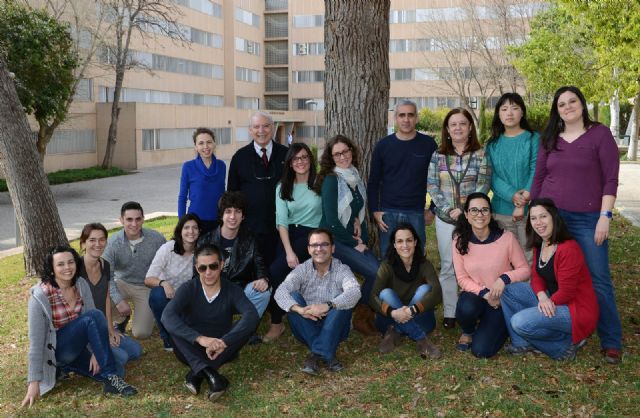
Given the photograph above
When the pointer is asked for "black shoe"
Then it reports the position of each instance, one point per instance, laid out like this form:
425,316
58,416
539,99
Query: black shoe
193,382
122,326
218,384
255,339
114,384
334,365
449,323
310,365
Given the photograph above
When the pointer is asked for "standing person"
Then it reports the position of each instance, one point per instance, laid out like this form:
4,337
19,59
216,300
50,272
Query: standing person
298,212
343,213
63,321
459,168
255,170
319,295
130,252
577,168
405,293
202,181
559,310
97,273
512,151
200,321
487,259
399,167
172,267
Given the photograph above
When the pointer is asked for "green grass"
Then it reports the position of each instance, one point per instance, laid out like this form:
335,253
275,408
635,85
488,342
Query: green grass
265,380
76,174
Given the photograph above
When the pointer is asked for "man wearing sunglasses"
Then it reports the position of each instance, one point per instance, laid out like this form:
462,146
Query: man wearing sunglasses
200,321
319,295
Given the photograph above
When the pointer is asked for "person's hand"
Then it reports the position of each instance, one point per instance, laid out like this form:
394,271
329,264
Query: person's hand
292,259
495,291
518,214
377,217
124,308
546,306
304,312
519,199
215,348
401,315
318,310
260,285
525,193
169,291
361,247
493,302
114,338
429,217
602,230
455,213
94,367
33,394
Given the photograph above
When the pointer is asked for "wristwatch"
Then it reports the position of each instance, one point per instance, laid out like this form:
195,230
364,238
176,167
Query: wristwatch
160,283
607,213
331,305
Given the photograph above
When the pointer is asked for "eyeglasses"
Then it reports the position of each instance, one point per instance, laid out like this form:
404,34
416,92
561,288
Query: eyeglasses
476,211
203,267
345,154
317,246
300,158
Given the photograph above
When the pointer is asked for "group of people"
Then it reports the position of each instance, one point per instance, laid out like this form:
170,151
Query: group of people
287,237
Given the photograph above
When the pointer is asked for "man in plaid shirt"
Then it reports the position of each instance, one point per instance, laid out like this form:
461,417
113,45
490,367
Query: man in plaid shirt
319,295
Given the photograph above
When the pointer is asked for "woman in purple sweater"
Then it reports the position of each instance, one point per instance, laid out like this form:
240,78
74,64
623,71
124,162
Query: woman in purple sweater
577,168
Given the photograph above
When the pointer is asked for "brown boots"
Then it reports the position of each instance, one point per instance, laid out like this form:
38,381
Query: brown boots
425,348
363,320
390,341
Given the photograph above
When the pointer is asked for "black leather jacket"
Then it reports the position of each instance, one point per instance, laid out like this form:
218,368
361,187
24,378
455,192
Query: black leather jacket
245,263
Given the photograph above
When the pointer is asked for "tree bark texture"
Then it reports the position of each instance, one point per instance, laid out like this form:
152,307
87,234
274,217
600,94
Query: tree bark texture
356,84
36,211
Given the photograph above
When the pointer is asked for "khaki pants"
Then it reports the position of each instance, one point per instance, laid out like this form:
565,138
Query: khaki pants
518,229
142,316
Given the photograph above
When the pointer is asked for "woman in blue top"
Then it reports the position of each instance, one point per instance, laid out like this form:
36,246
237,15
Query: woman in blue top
298,212
343,213
202,181
513,151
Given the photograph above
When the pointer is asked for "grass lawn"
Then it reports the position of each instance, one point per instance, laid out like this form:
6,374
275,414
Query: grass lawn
76,174
266,381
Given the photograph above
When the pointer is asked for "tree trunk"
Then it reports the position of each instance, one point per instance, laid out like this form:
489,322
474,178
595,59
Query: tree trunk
614,111
112,138
36,211
632,152
596,111
45,132
356,83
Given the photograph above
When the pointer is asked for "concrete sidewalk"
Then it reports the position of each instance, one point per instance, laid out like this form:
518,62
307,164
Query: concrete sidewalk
628,202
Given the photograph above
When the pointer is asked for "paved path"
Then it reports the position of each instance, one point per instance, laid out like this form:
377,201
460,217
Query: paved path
157,190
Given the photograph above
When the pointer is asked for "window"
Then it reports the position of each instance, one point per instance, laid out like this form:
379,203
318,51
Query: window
301,104
247,17
162,139
183,66
402,16
204,6
247,74
276,4
308,76
242,134
161,97
277,79
84,90
401,74
205,38
280,102
250,47
311,48
67,141
276,26
277,53
247,103
307,131
308,21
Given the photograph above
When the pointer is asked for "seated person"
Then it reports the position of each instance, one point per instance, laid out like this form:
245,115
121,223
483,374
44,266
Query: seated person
63,326
486,259
97,273
171,268
405,293
243,263
559,310
199,320
319,296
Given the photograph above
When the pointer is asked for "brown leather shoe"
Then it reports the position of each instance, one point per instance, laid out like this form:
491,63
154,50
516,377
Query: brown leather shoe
275,331
426,348
362,320
390,341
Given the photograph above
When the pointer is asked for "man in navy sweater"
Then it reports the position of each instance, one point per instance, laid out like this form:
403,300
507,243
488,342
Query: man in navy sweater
398,176
199,319
255,170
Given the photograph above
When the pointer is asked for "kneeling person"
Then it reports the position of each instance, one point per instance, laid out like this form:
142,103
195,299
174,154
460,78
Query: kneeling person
199,320
320,294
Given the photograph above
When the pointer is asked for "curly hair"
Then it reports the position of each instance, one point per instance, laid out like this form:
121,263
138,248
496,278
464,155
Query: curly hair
463,231
327,164
49,276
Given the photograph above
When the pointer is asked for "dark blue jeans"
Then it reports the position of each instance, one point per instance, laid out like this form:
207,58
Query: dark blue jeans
364,263
418,327
90,328
321,336
157,302
486,324
393,218
582,225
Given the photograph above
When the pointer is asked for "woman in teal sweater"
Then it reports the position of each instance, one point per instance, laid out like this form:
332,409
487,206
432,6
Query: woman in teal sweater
513,151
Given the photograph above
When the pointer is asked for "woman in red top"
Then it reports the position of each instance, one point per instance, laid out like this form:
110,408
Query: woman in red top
559,310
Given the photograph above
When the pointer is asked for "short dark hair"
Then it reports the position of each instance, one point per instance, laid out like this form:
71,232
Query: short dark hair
202,130
178,246
88,229
318,231
232,200
560,231
49,276
131,206
207,249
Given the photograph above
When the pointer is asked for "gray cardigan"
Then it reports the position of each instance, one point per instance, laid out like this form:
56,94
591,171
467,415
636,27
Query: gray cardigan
42,335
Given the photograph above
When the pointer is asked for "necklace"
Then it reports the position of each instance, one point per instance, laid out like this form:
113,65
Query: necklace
542,264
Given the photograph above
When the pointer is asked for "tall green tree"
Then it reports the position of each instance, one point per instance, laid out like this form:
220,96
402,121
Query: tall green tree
40,51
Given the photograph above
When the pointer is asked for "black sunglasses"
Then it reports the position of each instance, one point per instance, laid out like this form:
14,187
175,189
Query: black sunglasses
203,267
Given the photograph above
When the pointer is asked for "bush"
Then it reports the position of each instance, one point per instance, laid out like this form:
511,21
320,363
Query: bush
538,115
430,121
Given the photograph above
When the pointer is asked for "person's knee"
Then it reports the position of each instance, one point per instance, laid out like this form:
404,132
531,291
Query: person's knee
520,324
465,309
483,350
387,295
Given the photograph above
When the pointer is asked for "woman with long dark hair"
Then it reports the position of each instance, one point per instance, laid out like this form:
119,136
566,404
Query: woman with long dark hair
577,168
405,293
512,151
559,310
63,321
487,259
172,267
343,196
298,212
458,168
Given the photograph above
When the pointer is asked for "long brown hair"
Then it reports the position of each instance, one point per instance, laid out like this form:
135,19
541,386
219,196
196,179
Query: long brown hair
446,145
327,164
